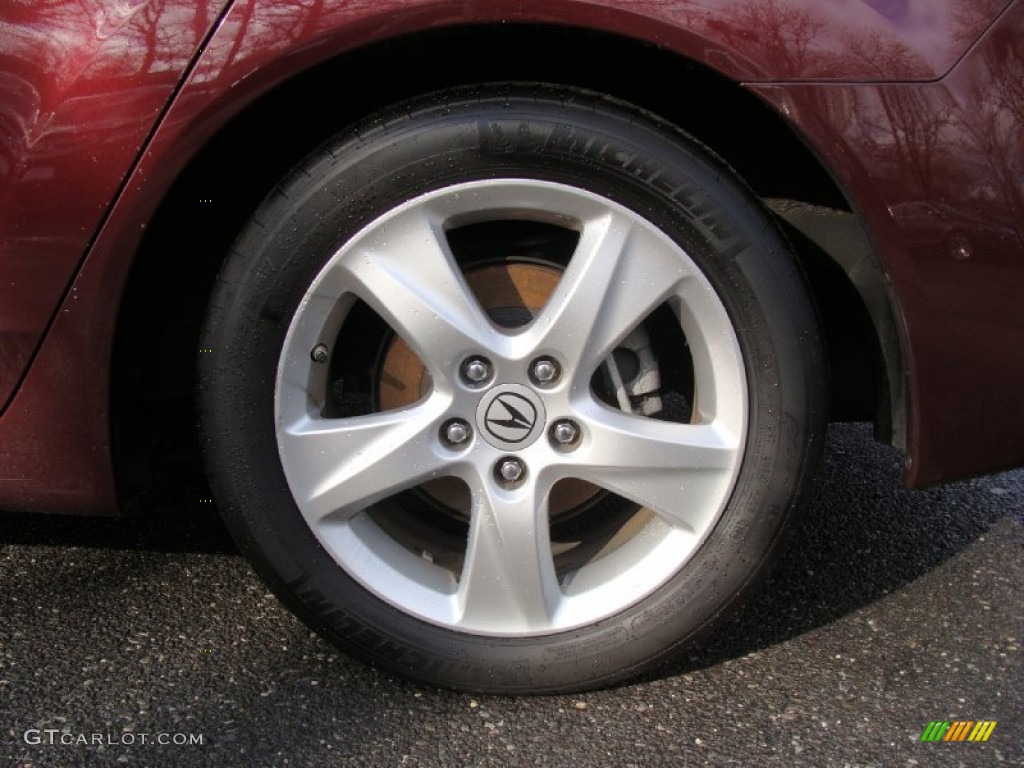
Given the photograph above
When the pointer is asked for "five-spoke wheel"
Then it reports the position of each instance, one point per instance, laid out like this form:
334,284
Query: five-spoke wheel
512,389
513,411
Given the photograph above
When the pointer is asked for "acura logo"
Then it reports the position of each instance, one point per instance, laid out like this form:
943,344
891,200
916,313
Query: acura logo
510,417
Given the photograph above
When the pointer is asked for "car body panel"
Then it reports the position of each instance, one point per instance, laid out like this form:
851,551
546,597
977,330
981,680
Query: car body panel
81,86
793,53
938,173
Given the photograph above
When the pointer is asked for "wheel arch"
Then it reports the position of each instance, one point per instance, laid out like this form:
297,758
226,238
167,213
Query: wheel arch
158,322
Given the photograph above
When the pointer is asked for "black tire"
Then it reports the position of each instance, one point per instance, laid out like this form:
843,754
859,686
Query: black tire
642,168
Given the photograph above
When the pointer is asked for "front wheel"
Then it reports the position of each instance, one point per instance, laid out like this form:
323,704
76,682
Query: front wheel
512,389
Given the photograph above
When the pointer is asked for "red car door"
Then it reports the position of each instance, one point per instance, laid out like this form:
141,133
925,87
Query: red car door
82,85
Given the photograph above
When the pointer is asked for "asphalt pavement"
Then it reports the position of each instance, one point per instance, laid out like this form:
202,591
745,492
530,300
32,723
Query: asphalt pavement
148,641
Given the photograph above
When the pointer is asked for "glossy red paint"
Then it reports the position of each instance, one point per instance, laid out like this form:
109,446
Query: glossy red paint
794,53
937,172
81,86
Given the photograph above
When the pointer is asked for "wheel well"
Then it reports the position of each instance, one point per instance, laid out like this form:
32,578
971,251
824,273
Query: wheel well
163,305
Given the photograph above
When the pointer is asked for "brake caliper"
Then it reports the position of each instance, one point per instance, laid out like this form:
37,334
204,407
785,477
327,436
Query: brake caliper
631,372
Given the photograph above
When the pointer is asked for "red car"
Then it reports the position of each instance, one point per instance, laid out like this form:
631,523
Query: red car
509,331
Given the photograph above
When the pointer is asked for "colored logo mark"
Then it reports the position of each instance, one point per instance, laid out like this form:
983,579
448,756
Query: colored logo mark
958,730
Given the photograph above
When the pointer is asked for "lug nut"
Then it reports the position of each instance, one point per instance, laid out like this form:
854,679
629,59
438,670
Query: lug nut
565,432
511,470
476,369
456,432
319,353
544,370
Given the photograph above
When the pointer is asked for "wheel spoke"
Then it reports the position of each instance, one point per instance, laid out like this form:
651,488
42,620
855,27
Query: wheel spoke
408,275
337,467
681,471
618,275
509,576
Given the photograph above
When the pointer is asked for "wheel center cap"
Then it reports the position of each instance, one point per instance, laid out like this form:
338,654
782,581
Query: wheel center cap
510,417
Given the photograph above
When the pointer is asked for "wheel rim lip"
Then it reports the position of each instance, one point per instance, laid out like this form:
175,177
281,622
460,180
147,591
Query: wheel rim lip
365,552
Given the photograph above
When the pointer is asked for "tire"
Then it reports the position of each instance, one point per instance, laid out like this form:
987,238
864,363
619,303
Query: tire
512,389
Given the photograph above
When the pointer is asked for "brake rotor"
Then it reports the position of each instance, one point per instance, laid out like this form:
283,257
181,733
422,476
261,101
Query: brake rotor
511,293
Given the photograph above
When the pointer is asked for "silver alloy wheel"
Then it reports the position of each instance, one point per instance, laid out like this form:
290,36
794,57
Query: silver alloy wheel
622,270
